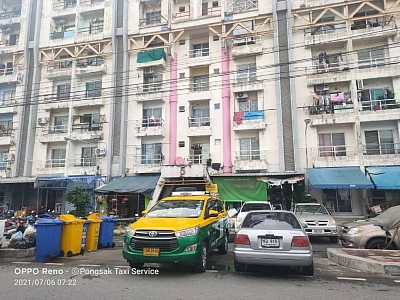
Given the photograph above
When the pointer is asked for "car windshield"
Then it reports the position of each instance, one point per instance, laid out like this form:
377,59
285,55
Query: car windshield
255,206
176,209
311,209
271,221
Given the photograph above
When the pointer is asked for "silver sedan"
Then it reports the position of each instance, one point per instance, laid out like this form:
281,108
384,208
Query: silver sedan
274,238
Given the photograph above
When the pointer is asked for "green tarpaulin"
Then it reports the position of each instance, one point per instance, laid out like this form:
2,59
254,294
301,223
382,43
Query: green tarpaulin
241,188
151,55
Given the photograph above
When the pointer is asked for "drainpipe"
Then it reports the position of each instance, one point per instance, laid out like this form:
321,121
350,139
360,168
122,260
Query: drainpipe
226,111
173,100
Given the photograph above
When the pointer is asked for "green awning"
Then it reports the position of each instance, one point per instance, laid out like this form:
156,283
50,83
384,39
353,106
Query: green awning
151,55
241,188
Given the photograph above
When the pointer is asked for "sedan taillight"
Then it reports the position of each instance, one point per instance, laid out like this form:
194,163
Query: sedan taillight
242,239
300,241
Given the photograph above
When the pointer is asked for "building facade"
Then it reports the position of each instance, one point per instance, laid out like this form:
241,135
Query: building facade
262,90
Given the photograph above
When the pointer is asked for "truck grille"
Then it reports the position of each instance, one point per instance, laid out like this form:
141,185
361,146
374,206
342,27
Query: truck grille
317,223
162,239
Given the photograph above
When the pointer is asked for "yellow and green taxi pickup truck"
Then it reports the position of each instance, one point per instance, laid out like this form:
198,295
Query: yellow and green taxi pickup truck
182,228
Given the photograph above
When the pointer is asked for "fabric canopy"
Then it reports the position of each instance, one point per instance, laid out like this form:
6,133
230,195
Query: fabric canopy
62,183
151,55
130,184
385,178
280,181
338,178
241,188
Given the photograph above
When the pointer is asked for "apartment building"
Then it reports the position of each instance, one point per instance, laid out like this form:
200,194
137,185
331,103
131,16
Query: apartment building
252,95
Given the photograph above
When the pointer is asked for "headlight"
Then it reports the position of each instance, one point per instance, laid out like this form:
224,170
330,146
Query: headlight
355,230
129,231
187,232
332,222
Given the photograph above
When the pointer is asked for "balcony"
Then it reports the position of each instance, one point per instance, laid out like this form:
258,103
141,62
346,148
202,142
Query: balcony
250,160
335,156
91,32
246,82
199,91
87,5
199,57
54,134
383,154
90,66
181,16
61,69
211,11
150,58
152,18
328,72
8,75
378,68
150,91
198,159
373,27
148,163
6,136
199,126
248,120
150,127
10,43
246,46
325,34
9,106
10,17
82,165
66,7
242,6
62,34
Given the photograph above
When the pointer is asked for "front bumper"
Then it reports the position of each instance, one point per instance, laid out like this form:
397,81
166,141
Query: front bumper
322,231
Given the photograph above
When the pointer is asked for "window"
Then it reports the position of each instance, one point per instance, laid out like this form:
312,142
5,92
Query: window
8,96
271,221
153,17
371,57
182,9
200,83
58,158
200,50
248,104
3,164
321,29
249,149
181,75
69,3
200,117
93,89
6,128
152,83
240,5
182,42
88,157
215,38
331,144
201,152
63,91
204,9
216,71
215,4
65,64
246,73
340,199
379,142
152,117
91,121
60,124
151,154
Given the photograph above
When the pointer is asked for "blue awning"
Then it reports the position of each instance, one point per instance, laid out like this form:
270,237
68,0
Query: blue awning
385,178
338,178
62,183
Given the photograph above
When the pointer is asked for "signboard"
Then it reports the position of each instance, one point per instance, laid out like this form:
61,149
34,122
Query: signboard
212,188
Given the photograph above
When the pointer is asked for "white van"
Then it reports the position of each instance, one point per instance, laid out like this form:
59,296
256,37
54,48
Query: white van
249,206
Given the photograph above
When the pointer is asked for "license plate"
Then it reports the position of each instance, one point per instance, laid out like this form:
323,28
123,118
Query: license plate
270,243
318,231
151,251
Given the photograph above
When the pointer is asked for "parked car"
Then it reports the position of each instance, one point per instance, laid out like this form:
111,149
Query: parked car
371,233
319,221
249,206
274,238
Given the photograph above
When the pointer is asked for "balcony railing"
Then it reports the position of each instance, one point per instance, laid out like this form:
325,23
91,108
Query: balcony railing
93,29
84,162
199,87
5,71
10,14
381,149
246,76
240,6
62,34
199,52
198,159
153,87
332,63
332,151
324,29
61,5
373,62
90,2
91,61
151,122
199,121
248,155
180,16
57,129
209,11
375,105
55,163
149,159
372,22
61,65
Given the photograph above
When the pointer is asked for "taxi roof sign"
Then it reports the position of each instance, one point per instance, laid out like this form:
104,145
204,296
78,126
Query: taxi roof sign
212,188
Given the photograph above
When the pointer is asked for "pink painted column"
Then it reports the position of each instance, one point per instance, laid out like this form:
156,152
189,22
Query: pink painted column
226,111
173,110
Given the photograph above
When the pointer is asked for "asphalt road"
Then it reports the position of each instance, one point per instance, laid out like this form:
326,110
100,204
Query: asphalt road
105,275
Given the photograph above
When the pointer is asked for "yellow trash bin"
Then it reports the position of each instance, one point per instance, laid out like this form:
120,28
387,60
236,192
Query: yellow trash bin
71,237
92,237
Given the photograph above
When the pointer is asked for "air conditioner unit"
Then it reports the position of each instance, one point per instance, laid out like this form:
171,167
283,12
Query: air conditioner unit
43,121
360,84
241,95
321,87
100,151
148,71
8,157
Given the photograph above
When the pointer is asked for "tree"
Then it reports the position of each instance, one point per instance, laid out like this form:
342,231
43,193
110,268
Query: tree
79,199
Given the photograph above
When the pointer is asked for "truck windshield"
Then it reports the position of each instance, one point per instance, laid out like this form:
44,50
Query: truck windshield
311,209
176,209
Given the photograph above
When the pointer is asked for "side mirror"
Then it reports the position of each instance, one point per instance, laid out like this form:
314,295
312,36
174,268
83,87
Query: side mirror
144,212
212,213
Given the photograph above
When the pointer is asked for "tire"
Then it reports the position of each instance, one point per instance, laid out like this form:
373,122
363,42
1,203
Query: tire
70,254
223,249
61,253
379,244
136,265
308,271
200,265
239,267
333,239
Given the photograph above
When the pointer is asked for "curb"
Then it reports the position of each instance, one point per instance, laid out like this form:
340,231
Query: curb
17,253
362,263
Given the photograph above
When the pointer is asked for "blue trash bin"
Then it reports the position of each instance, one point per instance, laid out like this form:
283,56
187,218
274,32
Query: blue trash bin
84,235
48,238
106,235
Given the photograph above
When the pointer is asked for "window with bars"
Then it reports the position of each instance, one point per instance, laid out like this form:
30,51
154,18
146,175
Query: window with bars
371,57
63,91
8,96
58,157
249,148
153,17
151,154
92,121
331,144
88,156
60,124
93,89
200,83
200,117
379,142
248,104
152,117
246,73
200,50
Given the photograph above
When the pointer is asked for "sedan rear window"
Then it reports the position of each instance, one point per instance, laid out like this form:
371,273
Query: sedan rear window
271,221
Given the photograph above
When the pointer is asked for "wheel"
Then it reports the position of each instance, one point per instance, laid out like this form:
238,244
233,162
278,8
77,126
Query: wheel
200,265
333,239
308,271
136,265
69,253
223,249
113,245
379,244
99,246
239,267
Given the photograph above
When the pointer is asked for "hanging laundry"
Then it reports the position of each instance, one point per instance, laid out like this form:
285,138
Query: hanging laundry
238,117
337,97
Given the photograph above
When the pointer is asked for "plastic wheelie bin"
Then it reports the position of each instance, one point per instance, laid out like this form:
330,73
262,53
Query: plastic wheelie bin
106,236
71,238
93,232
84,234
48,239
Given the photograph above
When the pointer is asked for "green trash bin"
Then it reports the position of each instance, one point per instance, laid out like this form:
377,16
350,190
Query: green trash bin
71,237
